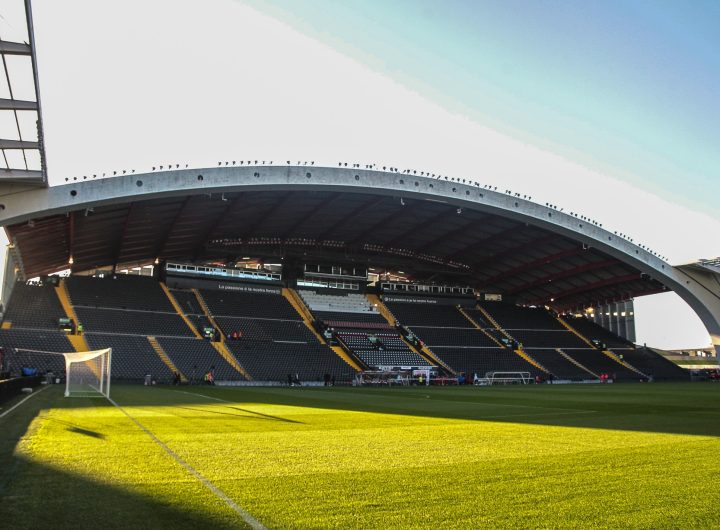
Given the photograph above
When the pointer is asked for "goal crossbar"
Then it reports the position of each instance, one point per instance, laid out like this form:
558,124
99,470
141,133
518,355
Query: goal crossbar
87,373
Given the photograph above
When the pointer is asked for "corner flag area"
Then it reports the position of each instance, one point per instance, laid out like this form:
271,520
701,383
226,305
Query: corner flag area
222,457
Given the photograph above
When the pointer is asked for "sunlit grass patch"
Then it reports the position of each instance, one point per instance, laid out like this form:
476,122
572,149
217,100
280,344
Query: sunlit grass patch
623,455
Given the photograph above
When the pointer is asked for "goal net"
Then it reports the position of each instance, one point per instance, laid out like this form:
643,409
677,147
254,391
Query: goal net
87,373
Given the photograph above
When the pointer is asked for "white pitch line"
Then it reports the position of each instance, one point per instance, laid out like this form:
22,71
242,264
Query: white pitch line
249,519
483,418
203,395
441,400
23,400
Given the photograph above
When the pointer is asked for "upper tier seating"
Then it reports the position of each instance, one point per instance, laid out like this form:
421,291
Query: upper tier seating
409,315
132,322
478,317
121,292
40,343
273,361
599,363
265,329
132,357
191,309
187,302
511,317
394,350
558,365
34,306
590,330
254,305
453,337
482,360
329,303
195,358
547,338
350,319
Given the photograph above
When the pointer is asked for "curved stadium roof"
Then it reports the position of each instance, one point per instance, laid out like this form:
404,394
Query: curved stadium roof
435,230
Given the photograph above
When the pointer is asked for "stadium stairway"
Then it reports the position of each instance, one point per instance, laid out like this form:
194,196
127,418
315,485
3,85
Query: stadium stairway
226,354
567,325
347,358
165,359
423,351
478,326
208,314
179,310
494,322
78,341
382,308
532,361
298,304
614,356
576,363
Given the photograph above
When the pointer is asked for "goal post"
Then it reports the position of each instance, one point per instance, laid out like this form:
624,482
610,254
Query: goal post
505,378
87,373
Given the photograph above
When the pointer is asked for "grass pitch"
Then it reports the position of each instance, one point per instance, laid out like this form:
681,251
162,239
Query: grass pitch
628,455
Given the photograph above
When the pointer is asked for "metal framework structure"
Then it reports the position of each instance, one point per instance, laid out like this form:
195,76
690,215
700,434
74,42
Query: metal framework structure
23,156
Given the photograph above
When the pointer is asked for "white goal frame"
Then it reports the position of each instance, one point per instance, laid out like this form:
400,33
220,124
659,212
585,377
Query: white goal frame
505,378
102,371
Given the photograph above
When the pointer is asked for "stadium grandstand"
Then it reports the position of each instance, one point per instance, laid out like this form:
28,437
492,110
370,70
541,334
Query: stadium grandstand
197,294
250,264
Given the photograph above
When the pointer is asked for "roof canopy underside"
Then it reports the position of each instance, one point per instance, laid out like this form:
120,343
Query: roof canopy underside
427,239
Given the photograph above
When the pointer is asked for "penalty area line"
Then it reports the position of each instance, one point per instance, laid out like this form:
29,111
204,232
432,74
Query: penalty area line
249,519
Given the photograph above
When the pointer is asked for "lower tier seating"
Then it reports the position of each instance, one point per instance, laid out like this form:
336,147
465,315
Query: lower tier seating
599,363
482,360
194,358
274,361
30,348
388,350
132,357
558,365
654,364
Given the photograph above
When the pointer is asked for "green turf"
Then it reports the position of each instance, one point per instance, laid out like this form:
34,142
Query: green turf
628,455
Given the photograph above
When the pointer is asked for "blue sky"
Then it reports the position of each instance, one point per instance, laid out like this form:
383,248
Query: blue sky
627,87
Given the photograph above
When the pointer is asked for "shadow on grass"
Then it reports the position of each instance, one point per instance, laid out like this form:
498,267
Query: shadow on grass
680,408
247,413
33,495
